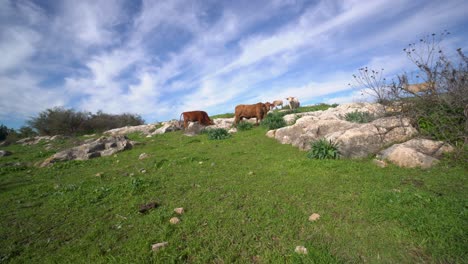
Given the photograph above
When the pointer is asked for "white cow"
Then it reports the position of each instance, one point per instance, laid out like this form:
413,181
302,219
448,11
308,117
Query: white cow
293,102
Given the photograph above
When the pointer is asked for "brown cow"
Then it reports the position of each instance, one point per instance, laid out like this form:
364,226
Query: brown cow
258,110
269,106
196,116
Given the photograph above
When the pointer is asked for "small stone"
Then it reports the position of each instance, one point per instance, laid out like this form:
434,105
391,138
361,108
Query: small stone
99,174
174,220
301,250
380,163
201,162
142,171
158,246
179,210
251,173
146,207
4,153
143,156
131,174
314,217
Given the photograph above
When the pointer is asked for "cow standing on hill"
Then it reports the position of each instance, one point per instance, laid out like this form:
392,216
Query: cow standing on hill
293,102
258,111
196,116
277,103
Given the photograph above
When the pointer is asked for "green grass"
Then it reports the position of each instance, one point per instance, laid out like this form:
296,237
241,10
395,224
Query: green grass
247,199
226,115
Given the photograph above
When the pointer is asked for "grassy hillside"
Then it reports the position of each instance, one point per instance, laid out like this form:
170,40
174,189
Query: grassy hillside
247,199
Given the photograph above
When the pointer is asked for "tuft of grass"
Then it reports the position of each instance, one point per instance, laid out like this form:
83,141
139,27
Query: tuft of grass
359,117
243,126
323,149
273,121
217,134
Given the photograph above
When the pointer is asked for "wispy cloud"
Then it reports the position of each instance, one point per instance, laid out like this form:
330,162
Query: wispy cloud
161,58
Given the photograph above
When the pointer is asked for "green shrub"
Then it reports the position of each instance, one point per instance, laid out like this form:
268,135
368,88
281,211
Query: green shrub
217,134
324,149
273,121
61,121
243,126
359,117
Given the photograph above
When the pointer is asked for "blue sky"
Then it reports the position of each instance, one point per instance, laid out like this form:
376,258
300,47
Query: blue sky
160,58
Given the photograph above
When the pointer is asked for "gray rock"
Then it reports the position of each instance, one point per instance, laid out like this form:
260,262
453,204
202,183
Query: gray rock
104,146
4,153
144,129
193,128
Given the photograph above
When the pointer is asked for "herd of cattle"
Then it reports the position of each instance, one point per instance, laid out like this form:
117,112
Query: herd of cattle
258,111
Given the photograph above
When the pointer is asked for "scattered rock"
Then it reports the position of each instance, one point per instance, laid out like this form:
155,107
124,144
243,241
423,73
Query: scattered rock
146,207
143,156
179,210
301,250
314,217
142,171
34,140
4,153
168,126
104,146
158,246
174,220
380,163
122,131
99,174
193,128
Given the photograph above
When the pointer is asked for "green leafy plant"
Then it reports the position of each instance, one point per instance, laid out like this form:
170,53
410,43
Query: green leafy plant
243,126
359,117
217,134
324,149
273,121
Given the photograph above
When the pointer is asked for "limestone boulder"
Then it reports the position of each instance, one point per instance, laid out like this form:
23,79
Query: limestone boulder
338,113
354,140
122,131
193,128
168,126
34,140
103,146
423,153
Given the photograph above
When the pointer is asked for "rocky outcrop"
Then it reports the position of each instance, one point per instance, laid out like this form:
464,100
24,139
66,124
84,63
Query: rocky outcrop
122,131
168,126
354,140
193,129
422,153
337,113
104,146
34,140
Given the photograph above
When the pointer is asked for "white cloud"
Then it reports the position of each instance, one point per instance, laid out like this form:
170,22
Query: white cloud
21,96
91,22
17,45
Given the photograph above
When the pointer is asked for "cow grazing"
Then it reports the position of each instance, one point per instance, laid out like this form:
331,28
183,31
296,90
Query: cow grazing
418,87
196,116
258,110
277,103
293,102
